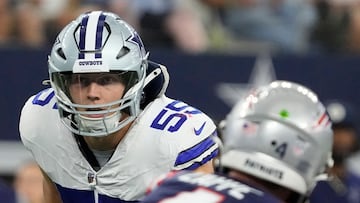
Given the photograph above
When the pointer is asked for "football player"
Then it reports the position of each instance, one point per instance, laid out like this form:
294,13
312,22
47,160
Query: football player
105,129
277,144
343,184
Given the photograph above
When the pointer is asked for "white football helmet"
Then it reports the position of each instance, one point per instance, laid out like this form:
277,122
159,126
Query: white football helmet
98,43
280,133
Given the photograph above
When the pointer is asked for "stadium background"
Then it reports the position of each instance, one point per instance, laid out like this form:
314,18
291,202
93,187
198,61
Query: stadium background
194,79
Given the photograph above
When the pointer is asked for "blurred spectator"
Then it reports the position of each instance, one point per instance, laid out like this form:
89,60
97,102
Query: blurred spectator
38,21
169,24
124,10
30,24
282,26
6,22
338,27
343,185
73,9
28,184
354,30
208,13
222,38
331,31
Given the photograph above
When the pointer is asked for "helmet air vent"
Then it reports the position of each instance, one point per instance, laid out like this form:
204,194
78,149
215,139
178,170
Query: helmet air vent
60,52
123,51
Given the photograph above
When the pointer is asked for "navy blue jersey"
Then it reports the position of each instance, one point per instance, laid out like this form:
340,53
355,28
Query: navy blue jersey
336,191
186,187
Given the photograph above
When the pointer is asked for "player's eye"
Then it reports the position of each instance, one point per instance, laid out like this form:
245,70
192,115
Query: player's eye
84,82
80,80
108,79
104,79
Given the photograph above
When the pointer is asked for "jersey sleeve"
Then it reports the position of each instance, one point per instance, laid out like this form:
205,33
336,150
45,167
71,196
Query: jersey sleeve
37,122
38,112
186,133
198,142
197,151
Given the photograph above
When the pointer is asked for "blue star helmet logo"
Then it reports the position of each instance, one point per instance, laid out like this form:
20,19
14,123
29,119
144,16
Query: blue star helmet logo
135,38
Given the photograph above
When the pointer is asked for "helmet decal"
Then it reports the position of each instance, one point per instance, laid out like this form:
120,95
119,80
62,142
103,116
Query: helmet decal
90,43
284,113
135,38
324,119
249,128
90,23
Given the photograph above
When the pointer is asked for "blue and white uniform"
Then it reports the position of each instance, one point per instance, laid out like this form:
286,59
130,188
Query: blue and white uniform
167,135
185,187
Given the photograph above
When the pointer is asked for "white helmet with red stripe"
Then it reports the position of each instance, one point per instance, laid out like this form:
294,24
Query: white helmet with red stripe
280,133
98,43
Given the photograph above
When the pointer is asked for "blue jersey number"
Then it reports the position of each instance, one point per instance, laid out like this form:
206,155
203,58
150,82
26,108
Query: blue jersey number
44,97
176,113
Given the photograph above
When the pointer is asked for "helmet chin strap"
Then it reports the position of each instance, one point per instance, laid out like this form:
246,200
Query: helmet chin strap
102,124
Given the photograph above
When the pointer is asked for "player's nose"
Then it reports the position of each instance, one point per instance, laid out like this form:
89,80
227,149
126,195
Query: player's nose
93,91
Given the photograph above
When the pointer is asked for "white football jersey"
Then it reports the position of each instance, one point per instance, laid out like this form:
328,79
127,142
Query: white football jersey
167,135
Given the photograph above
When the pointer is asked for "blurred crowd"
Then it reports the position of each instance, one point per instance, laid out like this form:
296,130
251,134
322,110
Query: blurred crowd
195,26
